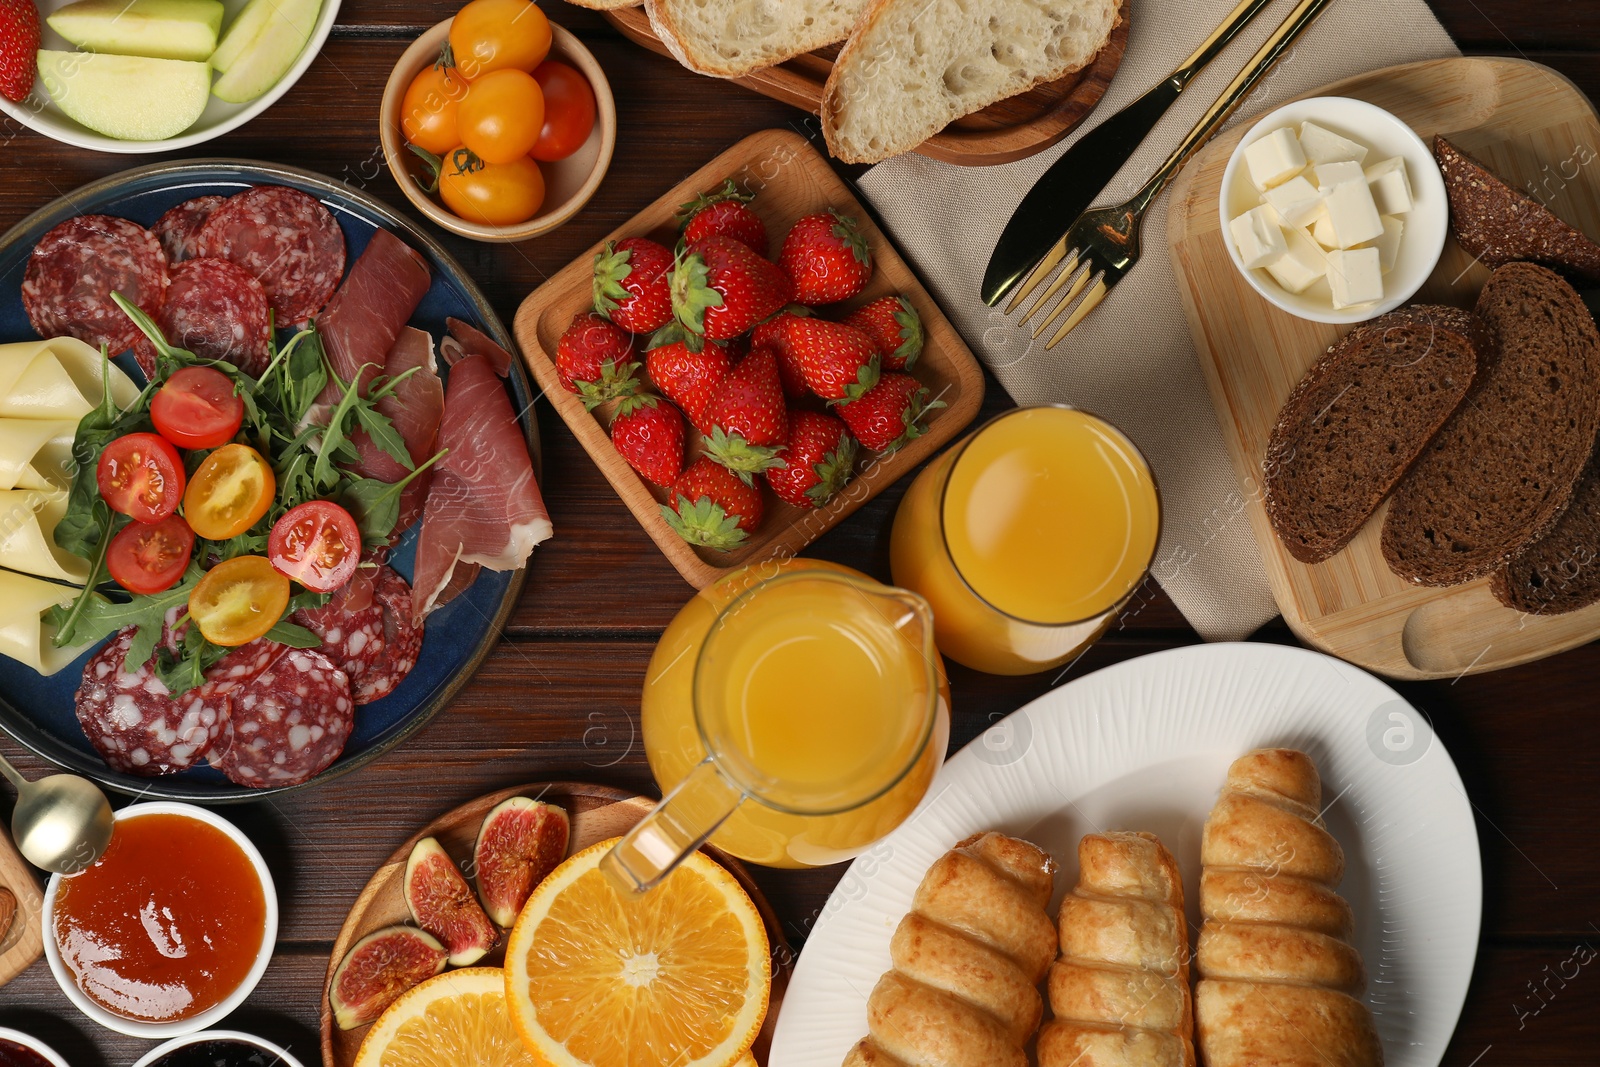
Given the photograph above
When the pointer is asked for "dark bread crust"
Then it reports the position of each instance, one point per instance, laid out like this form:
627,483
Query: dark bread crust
1502,470
1560,572
1497,224
1359,418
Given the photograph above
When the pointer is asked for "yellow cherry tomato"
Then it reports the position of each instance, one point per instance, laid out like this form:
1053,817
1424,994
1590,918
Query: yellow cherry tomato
239,600
429,109
494,194
489,35
229,493
502,116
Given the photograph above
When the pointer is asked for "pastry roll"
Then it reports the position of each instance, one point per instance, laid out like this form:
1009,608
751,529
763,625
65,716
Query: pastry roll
1279,979
24,635
28,520
56,379
1119,993
36,453
967,960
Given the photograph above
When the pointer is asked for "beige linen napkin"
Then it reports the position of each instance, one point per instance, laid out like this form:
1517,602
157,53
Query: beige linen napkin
1131,361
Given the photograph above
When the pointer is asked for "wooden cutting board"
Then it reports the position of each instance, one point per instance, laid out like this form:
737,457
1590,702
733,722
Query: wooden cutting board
1534,129
21,942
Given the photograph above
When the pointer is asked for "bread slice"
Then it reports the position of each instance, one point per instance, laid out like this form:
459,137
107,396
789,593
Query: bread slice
732,38
1503,469
1560,572
914,66
1497,224
1359,418
605,5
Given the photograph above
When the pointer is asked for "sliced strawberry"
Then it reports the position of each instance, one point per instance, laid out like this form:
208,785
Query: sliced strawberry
891,414
747,418
19,48
827,258
720,289
820,460
894,326
727,212
631,284
649,435
710,506
595,359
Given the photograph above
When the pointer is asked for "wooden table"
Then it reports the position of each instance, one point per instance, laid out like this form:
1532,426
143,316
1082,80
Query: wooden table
558,698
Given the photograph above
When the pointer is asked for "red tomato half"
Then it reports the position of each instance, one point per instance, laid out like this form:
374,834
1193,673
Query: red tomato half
150,557
568,111
197,408
141,475
317,544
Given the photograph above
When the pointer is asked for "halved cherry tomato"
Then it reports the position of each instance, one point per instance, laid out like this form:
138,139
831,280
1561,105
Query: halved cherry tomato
495,194
230,492
501,117
429,109
317,544
150,557
197,408
490,35
239,600
141,476
568,111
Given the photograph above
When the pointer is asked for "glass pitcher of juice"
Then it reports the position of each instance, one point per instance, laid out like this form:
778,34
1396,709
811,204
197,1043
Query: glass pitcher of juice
793,713
1027,537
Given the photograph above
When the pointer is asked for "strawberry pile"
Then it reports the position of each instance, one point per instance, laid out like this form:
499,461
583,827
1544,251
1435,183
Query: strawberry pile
718,373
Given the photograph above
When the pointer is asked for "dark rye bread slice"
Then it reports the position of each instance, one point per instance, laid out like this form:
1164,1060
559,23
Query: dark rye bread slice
1502,470
1560,572
1358,419
1497,224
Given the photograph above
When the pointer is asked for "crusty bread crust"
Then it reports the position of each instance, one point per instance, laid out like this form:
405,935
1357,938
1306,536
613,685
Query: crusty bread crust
667,18
605,5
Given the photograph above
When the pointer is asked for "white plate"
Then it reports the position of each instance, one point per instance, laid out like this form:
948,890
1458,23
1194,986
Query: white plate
1145,745
39,113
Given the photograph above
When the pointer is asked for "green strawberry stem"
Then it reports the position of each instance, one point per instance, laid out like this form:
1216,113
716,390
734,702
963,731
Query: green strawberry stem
846,229
704,523
911,338
692,294
612,384
729,191
611,269
833,471
866,378
912,417
740,456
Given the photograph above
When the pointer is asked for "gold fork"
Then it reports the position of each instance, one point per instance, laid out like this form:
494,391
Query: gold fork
1102,244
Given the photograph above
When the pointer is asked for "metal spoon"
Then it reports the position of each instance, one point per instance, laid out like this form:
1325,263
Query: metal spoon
61,823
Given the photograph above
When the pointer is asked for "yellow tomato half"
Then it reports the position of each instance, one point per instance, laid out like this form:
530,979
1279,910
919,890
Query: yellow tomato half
239,600
230,492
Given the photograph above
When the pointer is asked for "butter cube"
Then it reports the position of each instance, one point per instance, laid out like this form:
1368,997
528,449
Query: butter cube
1321,145
1354,276
1391,189
1331,174
1300,265
1352,214
1322,230
1258,237
1274,159
1296,201
1388,243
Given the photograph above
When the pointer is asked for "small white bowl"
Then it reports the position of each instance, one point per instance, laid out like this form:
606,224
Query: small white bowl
33,1044
1426,224
156,1031
201,1038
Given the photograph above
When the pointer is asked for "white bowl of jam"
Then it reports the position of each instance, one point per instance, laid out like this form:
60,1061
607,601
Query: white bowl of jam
217,1048
18,1049
170,930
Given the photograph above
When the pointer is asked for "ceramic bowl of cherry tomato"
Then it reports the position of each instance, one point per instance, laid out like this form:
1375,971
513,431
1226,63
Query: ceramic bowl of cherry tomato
497,124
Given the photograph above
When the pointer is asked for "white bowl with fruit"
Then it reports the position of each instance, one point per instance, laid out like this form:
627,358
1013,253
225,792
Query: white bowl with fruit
1333,209
135,76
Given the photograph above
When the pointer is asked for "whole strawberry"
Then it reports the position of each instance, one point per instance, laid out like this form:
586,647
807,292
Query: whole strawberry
746,418
649,435
630,284
727,212
710,506
827,258
774,334
688,378
19,48
838,362
894,326
720,288
891,414
595,359
820,459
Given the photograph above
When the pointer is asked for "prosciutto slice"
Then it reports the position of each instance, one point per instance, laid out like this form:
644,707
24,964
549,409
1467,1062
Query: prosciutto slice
364,319
484,505
467,340
415,408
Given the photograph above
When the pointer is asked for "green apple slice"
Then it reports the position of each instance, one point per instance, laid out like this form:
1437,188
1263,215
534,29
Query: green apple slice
241,33
269,56
131,98
159,29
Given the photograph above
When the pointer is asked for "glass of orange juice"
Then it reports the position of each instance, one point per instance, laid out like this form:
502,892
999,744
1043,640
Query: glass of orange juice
1027,537
793,713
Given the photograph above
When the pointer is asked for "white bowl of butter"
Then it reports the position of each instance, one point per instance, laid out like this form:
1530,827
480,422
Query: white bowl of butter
1333,209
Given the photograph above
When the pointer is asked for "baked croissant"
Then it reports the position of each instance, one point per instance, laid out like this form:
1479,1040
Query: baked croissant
967,959
1279,979
1120,991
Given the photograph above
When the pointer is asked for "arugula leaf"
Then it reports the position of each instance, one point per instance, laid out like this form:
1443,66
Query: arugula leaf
384,435
66,620
94,616
375,505
186,669
293,635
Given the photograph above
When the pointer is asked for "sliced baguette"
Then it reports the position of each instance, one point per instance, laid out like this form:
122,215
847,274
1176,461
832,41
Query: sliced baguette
605,5
914,66
732,38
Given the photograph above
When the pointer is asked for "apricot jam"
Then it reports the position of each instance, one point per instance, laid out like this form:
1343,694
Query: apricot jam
166,924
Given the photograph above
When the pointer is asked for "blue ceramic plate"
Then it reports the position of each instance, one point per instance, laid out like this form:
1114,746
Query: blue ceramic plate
38,711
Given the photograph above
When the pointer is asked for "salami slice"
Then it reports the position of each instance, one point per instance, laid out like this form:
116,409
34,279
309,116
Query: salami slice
402,641
179,229
287,240
287,724
134,722
75,268
218,311
352,638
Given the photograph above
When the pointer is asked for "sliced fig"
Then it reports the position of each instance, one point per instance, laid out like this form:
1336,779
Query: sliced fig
379,968
520,842
442,903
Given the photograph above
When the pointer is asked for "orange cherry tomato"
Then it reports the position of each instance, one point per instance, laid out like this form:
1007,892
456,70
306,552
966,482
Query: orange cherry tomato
489,35
229,493
429,109
493,194
568,111
501,117
239,600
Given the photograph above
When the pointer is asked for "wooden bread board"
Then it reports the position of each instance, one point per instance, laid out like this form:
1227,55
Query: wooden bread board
1003,132
22,941
790,179
1536,130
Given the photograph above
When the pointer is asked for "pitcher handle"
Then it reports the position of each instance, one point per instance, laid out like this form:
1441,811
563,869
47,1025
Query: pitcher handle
680,824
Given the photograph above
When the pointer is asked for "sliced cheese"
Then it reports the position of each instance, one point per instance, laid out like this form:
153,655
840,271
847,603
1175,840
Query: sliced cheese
24,635
56,379
28,520
36,453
